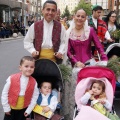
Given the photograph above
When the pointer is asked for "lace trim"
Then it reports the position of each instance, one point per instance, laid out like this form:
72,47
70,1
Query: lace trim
75,37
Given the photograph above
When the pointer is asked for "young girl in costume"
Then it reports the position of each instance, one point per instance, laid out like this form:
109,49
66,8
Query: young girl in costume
96,94
96,98
20,92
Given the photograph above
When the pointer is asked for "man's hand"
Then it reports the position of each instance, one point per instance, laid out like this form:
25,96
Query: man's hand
46,109
59,55
35,54
80,64
25,114
7,113
110,40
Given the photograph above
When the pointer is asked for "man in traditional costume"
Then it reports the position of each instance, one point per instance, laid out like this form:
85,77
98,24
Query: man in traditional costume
99,25
46,38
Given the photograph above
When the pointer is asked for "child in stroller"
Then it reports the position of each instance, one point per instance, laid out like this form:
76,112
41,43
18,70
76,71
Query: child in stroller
47,101
96,97
86,78
96,94
48,74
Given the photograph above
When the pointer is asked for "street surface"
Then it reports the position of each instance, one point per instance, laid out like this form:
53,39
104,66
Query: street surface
10,54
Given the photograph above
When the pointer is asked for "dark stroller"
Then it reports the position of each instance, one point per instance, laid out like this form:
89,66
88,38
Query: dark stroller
114,49
48,70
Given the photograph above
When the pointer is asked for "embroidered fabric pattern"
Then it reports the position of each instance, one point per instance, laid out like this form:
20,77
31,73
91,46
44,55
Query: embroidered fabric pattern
73,36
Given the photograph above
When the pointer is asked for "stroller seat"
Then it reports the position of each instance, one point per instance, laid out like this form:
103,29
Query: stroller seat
84,81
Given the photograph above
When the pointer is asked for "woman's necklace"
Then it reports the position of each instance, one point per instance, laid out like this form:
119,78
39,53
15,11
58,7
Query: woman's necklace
78,32
78,29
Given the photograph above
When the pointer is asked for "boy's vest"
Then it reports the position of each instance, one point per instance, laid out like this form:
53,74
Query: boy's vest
15,90
40,99
56,33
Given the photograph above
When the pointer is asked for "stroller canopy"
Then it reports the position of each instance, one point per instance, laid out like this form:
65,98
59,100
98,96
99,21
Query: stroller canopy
47,70
113,49
98,72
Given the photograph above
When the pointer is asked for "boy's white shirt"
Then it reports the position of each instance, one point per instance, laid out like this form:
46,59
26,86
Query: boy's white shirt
53,102
23,85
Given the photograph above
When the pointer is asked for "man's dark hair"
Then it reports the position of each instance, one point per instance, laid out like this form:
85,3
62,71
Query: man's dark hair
50,2
97,7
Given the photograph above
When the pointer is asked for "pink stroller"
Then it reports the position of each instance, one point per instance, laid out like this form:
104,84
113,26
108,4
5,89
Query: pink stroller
85,78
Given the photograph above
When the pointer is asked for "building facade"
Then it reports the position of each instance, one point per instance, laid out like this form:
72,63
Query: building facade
106,4
10,9
70,3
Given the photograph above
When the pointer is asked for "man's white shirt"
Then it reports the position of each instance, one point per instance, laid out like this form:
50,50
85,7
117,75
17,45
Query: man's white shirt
47,37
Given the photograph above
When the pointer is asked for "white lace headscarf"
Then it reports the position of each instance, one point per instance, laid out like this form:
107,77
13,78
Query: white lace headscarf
85,27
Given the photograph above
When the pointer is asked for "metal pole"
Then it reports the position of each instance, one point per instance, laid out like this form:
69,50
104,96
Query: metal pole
96,2
106,4
40,8
37,11
102,3
24,15
117,8
9,13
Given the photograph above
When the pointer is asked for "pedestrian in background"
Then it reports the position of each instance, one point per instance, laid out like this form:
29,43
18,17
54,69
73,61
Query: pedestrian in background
112,23
64,22
99,26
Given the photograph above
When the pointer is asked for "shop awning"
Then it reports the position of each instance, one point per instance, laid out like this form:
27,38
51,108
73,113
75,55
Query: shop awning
13,4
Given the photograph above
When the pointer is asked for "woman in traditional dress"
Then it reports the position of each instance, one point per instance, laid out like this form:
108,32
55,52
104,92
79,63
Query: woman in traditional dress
79,38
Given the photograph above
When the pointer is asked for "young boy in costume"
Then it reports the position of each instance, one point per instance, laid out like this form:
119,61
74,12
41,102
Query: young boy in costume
20,92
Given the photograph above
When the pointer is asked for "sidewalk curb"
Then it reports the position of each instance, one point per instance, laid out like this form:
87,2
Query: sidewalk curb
11,38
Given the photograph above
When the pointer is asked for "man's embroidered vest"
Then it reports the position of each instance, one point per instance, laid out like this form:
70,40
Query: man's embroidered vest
15,90
56,33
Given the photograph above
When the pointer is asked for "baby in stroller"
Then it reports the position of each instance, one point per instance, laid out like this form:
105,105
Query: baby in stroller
94,94
96,97
47,101
50,84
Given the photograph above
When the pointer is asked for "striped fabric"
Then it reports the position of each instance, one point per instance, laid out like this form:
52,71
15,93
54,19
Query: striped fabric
101,28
